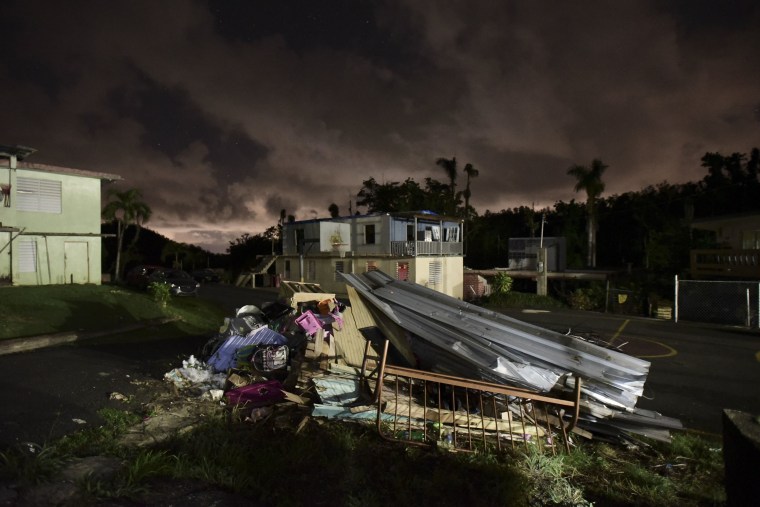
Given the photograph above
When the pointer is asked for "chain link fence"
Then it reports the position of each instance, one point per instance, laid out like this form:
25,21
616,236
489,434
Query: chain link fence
623,301
718,302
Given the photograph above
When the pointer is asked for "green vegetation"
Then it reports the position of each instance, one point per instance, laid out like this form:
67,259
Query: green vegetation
503,300
161,293
502,283
31,311
273,463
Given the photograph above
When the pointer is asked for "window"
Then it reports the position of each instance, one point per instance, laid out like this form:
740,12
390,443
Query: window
38,195
369,234
300,235
287,270
434,273
311,270
371,266
750,240
27,256
410,232
339,268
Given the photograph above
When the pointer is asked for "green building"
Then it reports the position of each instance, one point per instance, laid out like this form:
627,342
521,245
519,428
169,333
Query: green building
49,221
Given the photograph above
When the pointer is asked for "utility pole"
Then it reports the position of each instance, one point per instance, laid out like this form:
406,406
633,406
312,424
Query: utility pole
541,279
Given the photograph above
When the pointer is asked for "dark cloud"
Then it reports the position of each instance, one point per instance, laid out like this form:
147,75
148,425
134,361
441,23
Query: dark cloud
225,112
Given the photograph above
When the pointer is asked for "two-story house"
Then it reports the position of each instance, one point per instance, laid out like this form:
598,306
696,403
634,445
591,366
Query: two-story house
49,221
422,247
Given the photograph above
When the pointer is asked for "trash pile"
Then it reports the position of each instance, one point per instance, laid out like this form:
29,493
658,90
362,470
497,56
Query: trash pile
250,362
311,349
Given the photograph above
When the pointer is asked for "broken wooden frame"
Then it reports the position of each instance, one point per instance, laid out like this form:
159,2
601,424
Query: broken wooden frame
433,409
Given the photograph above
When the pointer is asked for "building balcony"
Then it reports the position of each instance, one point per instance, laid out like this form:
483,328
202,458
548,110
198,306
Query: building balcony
420,248
726,263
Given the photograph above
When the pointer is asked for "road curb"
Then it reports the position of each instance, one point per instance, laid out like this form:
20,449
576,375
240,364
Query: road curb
15,345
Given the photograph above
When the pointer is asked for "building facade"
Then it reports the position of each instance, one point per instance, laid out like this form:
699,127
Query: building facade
421,247
49,222
738,257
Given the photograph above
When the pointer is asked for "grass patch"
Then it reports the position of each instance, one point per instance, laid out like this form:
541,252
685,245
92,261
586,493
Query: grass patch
686,472
31,311
336,463
521,300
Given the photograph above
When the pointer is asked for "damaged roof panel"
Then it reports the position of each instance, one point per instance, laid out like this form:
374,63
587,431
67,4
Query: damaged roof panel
456,337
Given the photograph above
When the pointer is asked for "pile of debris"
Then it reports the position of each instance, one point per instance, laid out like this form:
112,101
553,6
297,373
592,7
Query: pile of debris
436,332
312,350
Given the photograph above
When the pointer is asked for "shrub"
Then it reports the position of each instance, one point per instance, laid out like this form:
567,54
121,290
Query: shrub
161,292
591,298
502,283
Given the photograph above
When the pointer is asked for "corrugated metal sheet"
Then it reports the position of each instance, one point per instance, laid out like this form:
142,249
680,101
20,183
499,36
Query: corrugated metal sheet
463,339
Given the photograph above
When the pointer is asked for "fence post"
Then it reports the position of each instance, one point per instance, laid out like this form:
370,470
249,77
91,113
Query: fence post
607,298
675,302
749,312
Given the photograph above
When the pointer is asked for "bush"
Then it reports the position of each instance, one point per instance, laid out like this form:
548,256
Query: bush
161,292
591,298
502,283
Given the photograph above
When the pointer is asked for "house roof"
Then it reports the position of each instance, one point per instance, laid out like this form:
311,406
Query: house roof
69,170
422,215
20,152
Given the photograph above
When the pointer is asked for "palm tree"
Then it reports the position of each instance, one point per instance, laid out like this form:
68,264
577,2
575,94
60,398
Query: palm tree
590,180
471,172
450,166
126,208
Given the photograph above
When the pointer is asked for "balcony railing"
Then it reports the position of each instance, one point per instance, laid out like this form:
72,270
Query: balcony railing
725,263
417,248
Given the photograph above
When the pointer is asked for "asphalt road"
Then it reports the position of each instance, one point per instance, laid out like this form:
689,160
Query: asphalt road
48,393
696,370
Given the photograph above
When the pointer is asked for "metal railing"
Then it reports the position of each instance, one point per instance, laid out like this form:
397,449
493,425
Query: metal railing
725,262
431,409
415,248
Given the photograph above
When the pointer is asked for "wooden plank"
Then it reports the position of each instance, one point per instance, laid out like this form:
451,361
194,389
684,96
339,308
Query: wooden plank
461,419
395,333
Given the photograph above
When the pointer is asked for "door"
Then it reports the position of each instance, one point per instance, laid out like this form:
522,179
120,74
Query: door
76,261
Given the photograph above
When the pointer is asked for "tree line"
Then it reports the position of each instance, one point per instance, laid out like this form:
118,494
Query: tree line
647,229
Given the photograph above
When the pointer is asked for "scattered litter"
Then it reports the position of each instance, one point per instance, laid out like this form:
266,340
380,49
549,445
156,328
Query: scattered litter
260,413
195,373
79,421
118,397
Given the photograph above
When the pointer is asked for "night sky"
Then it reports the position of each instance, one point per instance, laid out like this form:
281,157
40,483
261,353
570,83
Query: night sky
225,112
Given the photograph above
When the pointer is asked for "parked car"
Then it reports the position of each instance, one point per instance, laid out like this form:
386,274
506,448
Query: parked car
138,276
207,275
180,282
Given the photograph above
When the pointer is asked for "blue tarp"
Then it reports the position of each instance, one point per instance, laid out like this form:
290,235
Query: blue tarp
226,355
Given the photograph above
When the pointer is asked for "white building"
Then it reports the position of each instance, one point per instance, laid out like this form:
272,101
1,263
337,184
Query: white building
418,246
